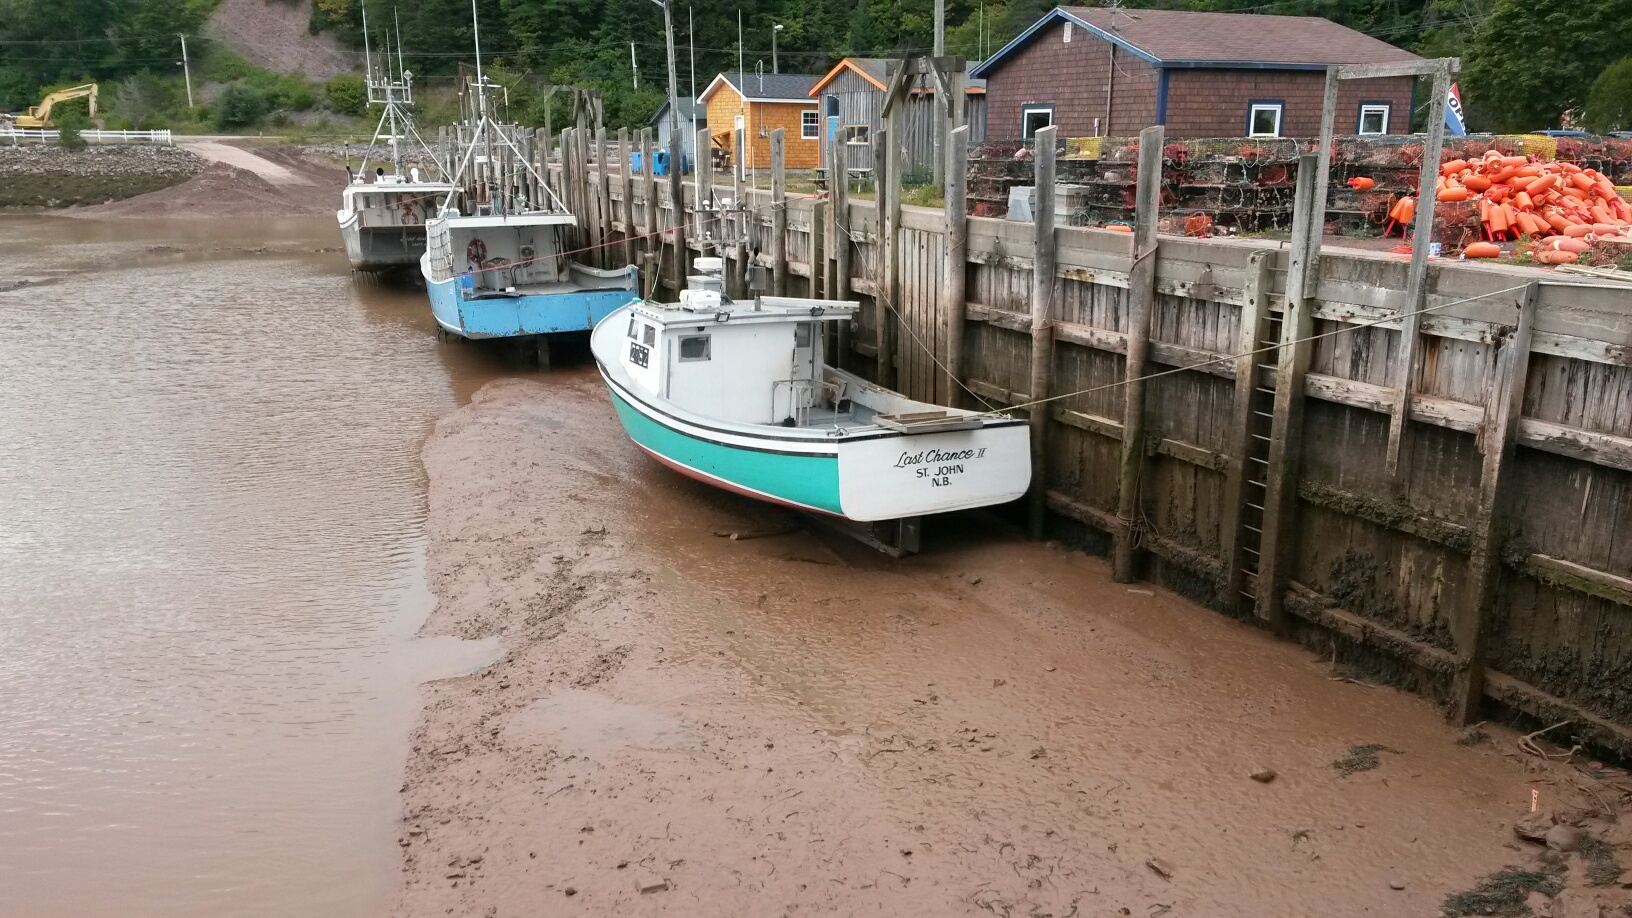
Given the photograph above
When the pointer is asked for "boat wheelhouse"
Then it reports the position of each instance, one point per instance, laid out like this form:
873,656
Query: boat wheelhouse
740,395
383,215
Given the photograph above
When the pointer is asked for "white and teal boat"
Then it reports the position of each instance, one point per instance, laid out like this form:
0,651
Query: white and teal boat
739,395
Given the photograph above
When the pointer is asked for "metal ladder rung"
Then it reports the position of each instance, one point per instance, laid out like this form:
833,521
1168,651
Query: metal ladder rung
1258,483
1249,573
1265,439
1255,506
1264,414
1265,391
1264,462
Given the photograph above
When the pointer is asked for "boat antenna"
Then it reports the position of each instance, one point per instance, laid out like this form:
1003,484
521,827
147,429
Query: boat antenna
368,60
402,68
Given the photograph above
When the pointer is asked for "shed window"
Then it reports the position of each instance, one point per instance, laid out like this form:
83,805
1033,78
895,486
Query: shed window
857,134
651,336
694,347
1033,120
832,106
1264,119
807,124
1373,118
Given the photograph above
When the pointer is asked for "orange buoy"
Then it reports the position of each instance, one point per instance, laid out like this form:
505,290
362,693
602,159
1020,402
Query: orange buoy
1362,183
1569,244
1476,183
1118,228
1578,230
1481,250
1453,193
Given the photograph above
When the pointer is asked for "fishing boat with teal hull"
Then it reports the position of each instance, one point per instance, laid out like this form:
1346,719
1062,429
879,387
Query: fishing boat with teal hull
739,395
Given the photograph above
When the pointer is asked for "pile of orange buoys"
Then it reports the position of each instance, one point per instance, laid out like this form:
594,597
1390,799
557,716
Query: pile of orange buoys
1565,207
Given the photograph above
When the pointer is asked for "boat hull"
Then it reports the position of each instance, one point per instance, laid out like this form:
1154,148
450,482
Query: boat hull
515,316
880,475
383,249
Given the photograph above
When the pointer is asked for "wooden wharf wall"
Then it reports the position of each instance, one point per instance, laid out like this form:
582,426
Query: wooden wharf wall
1504,566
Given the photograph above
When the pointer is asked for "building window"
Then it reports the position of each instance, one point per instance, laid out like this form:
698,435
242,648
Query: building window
808,121
1373,118
1264,118
694,347
859,134
832,106
1033,120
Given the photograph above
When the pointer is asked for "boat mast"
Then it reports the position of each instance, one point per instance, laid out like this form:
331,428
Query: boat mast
484,125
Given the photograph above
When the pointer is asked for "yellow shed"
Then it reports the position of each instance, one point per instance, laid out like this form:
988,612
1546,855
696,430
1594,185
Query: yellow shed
763,103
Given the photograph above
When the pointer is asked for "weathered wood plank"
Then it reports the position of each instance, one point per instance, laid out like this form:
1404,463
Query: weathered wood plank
1042,326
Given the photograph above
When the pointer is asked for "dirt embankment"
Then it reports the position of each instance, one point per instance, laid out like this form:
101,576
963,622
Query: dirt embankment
275,35
688,724
299,187
46,175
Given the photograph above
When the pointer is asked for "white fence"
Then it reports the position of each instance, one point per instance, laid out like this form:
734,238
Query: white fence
16,136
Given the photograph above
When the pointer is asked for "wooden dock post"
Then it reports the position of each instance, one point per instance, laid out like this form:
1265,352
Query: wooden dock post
1491,524
568,186
603,196
652,244
626,191
1260,283
953,297
887,198
589,216
1042,329
779,217
677,205
1141,306
838,184
818,253
702,196
1422,234
1286,431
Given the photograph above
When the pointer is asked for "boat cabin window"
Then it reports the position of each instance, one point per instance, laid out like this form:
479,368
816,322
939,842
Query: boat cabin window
634,329
801,335
694,347
651,336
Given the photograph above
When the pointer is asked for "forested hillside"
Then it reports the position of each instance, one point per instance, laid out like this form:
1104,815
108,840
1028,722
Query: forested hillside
1527,62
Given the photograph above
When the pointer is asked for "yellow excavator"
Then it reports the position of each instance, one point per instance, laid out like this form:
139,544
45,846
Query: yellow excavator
39,116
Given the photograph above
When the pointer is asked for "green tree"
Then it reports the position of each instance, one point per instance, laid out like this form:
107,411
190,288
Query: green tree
239,107
347,94
1609,102
69,123
1534,60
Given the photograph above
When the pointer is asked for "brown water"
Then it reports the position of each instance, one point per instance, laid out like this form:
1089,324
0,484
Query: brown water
211,567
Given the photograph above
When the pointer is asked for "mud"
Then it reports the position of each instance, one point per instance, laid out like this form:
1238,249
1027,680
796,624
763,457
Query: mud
682,723
222,190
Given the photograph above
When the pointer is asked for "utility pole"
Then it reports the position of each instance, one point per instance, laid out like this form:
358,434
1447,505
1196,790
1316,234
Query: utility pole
940,28
186,68
634,66
774,29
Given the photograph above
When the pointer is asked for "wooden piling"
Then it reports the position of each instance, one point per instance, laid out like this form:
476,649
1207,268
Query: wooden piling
603,196
626,193
1042,328
652,244
1491,526
739,271
887,197
779,217
702,197
1260,283
838,185
1141,306
677,207
953,305
1286,433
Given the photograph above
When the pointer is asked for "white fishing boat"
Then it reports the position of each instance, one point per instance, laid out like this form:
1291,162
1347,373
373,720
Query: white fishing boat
740,395
497,262
383,214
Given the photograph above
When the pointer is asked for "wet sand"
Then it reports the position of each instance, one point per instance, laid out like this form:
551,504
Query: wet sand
682,723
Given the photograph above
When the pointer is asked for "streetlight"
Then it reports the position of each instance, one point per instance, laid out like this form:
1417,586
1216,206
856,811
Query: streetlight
774,29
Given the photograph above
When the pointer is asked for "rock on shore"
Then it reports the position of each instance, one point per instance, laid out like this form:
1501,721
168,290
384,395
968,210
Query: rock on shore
46,175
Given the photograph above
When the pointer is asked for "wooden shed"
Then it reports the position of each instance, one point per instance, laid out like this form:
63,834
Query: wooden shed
761,103
1097,71
852,100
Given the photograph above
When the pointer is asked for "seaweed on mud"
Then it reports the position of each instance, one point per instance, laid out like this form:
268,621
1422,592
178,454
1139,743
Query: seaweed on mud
1603,867
1503,893
1361,758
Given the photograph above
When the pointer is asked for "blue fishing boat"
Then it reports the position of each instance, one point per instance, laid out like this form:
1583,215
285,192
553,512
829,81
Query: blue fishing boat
739,395
497,260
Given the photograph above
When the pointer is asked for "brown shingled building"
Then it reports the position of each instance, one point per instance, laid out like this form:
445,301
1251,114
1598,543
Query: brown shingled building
1095,71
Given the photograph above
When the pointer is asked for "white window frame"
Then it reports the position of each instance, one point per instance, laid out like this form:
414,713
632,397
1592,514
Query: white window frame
1026,113
1279,108
1383,108
810,124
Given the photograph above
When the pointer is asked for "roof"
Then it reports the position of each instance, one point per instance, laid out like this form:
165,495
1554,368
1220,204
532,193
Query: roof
1185,38
689,108
876,70
767,87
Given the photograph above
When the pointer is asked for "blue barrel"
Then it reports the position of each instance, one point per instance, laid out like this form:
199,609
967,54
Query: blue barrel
660,162
634,161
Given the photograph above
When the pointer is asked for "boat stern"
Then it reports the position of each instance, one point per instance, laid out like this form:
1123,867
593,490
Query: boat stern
901,476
